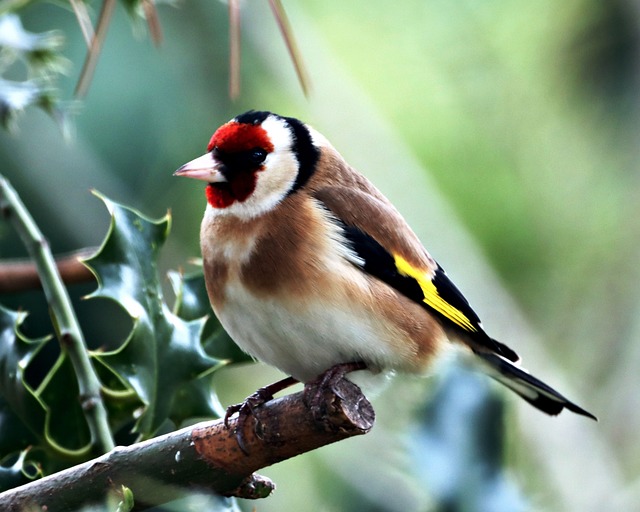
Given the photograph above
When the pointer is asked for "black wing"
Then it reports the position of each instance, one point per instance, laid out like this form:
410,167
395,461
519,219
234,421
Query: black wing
436,292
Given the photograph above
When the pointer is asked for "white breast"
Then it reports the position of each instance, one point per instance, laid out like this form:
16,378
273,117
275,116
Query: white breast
303,339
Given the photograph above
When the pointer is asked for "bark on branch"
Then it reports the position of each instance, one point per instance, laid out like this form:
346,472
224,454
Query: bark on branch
22,275
204,457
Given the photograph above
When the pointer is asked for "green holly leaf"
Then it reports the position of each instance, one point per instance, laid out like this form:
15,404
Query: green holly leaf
47,419
18,473
163,352
66,424
22,413
192,302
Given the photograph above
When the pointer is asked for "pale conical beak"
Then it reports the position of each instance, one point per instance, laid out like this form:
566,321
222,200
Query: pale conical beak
204,168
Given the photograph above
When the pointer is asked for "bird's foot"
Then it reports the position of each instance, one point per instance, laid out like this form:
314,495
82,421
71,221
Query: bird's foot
329,381
247,408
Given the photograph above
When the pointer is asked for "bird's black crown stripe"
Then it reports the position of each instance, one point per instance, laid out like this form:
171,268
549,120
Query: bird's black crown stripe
252,117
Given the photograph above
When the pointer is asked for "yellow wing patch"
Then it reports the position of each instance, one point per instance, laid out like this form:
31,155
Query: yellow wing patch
431,295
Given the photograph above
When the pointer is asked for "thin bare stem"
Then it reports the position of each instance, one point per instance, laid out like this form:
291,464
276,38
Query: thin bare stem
292,47
95,47
64,318
153,21
82,15
234,49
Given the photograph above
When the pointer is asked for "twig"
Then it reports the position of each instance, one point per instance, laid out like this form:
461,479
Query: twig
205,457
91,60
287,34
234,49
64,319
18,276
82,15
153,21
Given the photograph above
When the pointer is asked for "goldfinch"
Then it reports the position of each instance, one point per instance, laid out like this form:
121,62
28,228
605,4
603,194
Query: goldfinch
310,268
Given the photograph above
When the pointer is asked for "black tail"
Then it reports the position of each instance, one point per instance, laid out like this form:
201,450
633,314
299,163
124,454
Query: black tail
534,391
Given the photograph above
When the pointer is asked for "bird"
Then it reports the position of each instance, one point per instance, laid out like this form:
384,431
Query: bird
312,270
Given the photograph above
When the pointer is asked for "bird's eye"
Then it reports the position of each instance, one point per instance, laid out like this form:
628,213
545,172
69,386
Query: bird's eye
258,155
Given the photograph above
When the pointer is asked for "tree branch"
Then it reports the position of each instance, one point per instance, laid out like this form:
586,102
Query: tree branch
204,457
19,275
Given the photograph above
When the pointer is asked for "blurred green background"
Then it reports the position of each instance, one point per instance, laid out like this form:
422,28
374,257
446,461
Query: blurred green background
506,131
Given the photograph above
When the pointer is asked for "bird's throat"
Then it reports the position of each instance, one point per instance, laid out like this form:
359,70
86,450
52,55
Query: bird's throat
223,195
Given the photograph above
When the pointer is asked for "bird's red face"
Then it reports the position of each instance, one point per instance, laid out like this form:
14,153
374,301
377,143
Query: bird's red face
235,137
253,162
235,154
242,149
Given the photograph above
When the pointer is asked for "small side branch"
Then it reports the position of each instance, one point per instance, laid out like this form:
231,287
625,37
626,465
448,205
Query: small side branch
19,275
205,457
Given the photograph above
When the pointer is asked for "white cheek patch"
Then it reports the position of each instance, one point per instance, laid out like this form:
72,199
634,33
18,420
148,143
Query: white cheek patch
278,176
279,133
